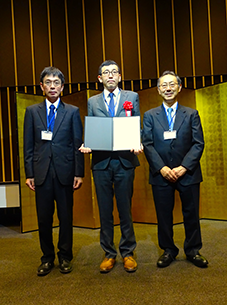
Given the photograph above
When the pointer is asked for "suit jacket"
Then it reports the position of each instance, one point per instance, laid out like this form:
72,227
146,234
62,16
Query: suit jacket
185,150
62,149
96,107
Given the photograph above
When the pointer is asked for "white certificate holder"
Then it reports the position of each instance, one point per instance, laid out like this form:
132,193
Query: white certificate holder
112,134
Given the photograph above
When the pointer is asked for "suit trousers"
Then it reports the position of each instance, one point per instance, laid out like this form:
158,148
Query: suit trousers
164,197
46,195
119,180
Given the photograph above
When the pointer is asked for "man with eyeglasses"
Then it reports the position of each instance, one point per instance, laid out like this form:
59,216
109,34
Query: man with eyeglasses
54,166
113,172
173,145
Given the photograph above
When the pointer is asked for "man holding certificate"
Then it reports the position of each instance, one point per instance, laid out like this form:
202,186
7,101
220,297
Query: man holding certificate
113,171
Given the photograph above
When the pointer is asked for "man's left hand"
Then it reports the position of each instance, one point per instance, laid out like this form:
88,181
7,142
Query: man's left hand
78,181
137,151
179,171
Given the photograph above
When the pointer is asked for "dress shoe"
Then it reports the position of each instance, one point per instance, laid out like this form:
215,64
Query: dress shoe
65,266
130,264
107,265
45,268
198,260
165,260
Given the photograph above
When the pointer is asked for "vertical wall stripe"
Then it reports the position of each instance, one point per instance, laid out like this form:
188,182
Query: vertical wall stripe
174,38
32,47
14,46
68,47
121,45
2,142
156,39
210,43
102,30
192,44
85,45
10,135
226,11
138,41
49,33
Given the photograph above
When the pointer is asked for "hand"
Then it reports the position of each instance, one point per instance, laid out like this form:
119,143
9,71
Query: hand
30,182
168,174
77,183
85,150
179,171
137,151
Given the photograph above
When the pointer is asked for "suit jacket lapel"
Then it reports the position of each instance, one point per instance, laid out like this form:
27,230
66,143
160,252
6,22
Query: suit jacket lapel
42,113
102,104
180,115
123,98
60,115
161,117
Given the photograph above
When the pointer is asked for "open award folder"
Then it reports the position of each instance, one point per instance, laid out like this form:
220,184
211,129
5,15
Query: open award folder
117,133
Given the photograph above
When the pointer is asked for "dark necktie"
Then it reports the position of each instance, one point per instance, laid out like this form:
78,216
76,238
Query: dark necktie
51,114
111,104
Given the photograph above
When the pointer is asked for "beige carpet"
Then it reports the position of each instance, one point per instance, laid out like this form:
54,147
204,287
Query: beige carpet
180,283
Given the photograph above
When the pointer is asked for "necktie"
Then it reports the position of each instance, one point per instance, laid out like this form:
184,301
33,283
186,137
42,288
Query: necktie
111,104
170,119
50,116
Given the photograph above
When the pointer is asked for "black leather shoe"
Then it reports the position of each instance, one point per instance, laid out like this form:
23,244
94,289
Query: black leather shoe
165,260
45,268
65,266
198,260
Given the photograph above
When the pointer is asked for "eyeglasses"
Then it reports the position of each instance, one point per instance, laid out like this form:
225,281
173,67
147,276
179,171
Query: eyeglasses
171,85
107,72
55,83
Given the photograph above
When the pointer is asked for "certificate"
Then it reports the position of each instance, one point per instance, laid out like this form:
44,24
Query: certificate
112,134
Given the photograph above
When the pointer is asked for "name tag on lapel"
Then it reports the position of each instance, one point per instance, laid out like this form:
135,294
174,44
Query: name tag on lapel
168,135
46,135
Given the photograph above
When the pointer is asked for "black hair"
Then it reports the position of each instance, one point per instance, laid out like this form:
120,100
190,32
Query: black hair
52,71
108,63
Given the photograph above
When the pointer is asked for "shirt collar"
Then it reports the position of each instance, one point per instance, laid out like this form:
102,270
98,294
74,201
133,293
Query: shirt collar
174,107
106,93
48,103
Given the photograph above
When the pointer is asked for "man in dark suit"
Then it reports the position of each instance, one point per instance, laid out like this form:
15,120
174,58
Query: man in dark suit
113,172
173,145
54,166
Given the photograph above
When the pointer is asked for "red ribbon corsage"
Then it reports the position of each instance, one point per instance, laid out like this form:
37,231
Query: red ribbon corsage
128,108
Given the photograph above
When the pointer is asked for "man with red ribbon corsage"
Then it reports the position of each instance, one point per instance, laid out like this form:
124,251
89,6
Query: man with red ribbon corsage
114,171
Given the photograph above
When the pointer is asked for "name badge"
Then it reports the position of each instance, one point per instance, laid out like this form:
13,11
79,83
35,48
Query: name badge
46,135
168,135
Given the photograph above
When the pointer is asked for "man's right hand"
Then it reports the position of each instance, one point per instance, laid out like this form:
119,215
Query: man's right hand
85,150
30,182
168,174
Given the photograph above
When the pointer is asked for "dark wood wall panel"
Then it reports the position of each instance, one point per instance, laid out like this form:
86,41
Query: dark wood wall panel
111,31
129,39
147,39
183,37
219,37
165,35
58,33
23,42
6,45
40,36
94,37
76,41
201,37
